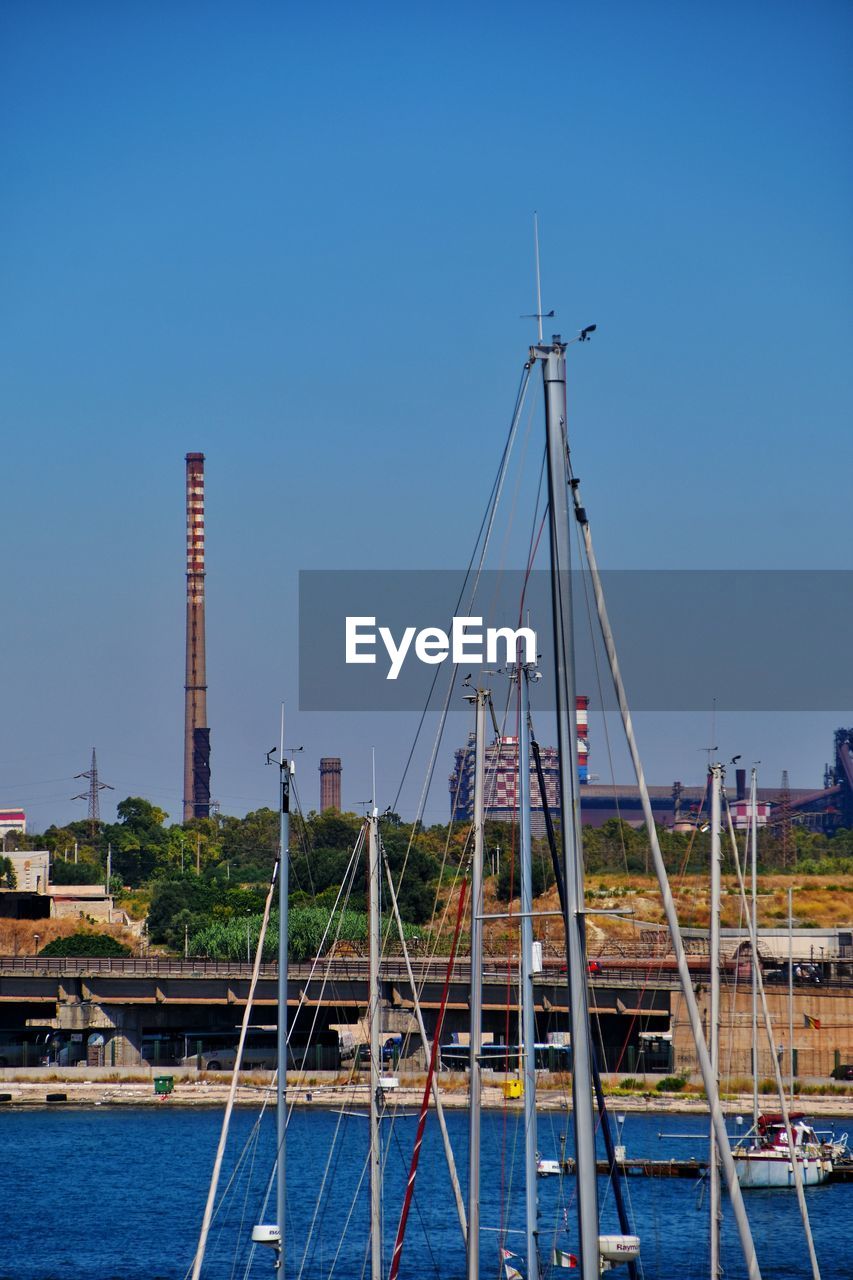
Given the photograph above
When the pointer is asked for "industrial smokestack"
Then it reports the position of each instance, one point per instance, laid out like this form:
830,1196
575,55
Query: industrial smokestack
330,783
740,783
196,731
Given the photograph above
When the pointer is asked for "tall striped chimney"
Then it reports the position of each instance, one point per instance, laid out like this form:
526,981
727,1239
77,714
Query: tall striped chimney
196,731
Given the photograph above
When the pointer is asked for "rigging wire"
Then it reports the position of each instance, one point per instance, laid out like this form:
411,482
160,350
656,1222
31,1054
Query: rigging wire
783,1105
343,891
235,1172
229,1107
413,1168
483,534
335,1147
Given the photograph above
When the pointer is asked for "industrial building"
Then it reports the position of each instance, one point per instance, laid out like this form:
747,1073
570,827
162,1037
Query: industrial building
35,898
12,820
676,805
501,786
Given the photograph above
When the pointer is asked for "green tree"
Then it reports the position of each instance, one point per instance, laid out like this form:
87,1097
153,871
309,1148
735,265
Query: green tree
250,845
83,871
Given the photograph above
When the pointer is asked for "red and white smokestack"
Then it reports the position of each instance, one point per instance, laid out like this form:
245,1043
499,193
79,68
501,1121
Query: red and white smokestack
195,528
196,732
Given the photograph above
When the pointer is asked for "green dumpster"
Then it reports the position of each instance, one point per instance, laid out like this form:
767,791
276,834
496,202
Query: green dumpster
164,1084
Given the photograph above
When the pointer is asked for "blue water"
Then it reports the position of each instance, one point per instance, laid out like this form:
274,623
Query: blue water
105,1194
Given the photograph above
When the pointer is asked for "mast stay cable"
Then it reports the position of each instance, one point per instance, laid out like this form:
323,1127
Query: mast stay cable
777,1070
235,1076
419,1136
604,1117
735,1194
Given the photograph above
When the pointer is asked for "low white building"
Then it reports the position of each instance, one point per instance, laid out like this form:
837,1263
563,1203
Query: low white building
32,869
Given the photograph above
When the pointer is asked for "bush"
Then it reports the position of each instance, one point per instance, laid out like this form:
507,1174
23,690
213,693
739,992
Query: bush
630,1085
86,944
671,1084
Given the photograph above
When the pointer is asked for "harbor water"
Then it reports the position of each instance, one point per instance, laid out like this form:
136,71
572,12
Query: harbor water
118,1194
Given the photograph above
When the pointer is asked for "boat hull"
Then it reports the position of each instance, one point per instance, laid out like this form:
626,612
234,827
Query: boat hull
767,1169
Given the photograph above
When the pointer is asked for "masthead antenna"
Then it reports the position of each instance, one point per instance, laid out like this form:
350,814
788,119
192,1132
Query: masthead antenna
538,276
538,315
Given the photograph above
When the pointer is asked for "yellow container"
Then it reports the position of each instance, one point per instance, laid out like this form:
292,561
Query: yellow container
513,1088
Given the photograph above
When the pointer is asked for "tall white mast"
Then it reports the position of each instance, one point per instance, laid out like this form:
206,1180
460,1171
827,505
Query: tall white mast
717,774
753,817
285,769
791,989
538,275
528,1012
553,359
476,999
375,1051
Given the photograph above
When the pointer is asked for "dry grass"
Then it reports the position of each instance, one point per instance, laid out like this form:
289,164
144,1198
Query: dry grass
819,902
17,937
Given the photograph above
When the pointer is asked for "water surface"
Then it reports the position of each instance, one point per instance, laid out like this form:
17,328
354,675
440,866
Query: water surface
118,1194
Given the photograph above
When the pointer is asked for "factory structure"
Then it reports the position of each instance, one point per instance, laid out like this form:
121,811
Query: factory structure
675,806
196,791
12,820
501,784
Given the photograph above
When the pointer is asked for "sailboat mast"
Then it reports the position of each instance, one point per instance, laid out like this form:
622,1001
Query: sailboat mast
476,999
791,989
528,1012
714,1011
285,770
375,1051
753,816
553,360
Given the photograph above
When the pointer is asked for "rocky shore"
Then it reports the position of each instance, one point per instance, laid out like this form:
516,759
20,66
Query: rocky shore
28,1089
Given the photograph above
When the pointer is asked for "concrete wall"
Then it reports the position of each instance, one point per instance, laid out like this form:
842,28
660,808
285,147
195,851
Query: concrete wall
816,1047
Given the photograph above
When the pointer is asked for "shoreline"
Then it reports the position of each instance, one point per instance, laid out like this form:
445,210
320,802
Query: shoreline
58,1092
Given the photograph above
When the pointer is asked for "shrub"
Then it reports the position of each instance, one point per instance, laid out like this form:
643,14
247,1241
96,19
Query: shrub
86,944
671,1084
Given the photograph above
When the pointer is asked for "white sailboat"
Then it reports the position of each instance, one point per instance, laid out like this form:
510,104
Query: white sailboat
763,1157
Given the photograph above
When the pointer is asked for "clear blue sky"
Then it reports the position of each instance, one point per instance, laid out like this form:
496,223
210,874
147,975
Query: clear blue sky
298,239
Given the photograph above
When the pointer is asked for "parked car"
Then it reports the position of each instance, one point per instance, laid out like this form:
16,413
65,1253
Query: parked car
592,967
842,1072
804,973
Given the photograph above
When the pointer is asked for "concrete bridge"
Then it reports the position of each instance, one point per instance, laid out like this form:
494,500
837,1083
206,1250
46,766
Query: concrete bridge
127,999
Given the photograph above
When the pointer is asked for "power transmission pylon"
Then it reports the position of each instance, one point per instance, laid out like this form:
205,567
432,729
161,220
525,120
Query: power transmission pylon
95,788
